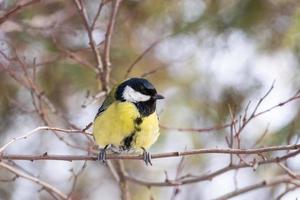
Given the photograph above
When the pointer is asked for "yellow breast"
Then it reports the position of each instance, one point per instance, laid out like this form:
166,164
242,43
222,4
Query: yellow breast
118,122
149,132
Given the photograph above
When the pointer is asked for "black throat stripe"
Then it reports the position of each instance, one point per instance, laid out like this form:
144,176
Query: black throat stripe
146,108
127,142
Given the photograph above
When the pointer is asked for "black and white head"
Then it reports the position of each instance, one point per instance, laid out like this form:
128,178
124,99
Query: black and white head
140,92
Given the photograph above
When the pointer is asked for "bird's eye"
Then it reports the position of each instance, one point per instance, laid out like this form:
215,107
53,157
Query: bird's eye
143,90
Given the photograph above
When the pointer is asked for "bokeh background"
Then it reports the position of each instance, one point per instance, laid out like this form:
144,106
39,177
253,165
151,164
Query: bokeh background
210,55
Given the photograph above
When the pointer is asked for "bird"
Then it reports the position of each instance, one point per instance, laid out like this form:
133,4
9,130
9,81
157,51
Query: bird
127,119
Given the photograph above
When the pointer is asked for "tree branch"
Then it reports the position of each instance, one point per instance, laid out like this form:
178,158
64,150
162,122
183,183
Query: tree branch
123,183
262,184
17,8
82,12
108,36
215,128
27,135
130,68
47,156
45,185
210,176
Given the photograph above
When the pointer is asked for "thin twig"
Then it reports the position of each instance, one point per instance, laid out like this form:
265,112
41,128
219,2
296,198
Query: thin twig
123,183
83,13
9,179
75,177
45,185
289,189
27,135
103,2
263,98
107,42
130,68
17,8
210,176
200,130
147,73
261,184
289,171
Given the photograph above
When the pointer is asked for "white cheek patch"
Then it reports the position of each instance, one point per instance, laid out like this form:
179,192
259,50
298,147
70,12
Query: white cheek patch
129,94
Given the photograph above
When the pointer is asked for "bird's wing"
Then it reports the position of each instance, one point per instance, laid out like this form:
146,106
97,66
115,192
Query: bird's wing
107,102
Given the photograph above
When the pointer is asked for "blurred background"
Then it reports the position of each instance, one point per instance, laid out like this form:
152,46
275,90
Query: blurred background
209,55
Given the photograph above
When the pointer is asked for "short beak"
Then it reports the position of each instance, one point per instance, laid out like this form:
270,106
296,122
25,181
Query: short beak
158,96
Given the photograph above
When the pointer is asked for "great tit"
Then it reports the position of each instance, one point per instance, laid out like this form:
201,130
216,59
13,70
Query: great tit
127,119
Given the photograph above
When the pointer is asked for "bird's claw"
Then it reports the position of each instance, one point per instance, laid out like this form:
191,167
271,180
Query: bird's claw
146,157
102,155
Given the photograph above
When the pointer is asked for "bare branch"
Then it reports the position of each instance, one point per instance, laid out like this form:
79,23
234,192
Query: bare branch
288,189
152,71
153,156
17,8
262,184
295,97
215,128
9,179
103,2
45,185
130,68
263,98
75,177
123,183
107,42
27,135
210,176
288,171
82,11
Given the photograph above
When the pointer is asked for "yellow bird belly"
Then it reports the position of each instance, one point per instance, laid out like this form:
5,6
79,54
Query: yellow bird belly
149,132
118,122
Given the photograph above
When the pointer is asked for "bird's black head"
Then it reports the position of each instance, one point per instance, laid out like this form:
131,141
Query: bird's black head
140,92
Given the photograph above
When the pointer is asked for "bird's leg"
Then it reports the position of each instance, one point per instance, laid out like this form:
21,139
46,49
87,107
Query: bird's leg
102,154
146,157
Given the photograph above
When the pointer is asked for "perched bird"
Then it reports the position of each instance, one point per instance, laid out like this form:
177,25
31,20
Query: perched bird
127,119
